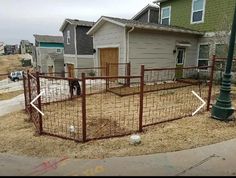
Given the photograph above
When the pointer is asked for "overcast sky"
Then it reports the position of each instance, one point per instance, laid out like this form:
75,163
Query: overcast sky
20,19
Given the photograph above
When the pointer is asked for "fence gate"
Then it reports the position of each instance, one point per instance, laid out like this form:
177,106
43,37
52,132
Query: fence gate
31,91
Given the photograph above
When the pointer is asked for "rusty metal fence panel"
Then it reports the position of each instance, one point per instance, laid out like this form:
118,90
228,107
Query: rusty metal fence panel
168,93
98,107
62,108
107,113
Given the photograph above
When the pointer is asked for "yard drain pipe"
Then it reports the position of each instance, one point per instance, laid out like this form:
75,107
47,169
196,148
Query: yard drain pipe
127,59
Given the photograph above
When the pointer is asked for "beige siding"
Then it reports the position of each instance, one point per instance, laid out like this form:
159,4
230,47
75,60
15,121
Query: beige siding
155,50
70,60
110,35
85,62
42,54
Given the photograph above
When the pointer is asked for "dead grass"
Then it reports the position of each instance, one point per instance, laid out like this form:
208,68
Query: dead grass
124,91
10,95
17,137
10,63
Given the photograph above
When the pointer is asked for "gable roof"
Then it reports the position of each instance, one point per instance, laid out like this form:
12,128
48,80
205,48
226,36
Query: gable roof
144,10
141,25
49,39
76,22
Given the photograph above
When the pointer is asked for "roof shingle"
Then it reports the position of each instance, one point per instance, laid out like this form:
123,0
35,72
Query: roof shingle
153,26
49,39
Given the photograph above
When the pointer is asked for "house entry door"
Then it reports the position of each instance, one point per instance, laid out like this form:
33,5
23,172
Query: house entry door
180,62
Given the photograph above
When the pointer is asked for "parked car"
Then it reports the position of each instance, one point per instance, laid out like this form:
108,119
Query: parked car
16,76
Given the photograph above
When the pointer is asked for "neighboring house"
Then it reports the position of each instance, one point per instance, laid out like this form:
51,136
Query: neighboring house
55,63
213,17
26,47
120,41
149,14
78,45
1,48
45,45
11,49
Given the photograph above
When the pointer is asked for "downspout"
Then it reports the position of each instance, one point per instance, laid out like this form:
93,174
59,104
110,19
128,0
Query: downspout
127,59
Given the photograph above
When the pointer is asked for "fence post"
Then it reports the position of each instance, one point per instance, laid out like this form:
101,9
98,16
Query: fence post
39,104
83,107
107,74
29,88
211,83
141,99
128,73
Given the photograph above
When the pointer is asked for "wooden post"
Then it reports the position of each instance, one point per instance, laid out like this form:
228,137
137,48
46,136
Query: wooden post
39,104
141,99
211,83
83,107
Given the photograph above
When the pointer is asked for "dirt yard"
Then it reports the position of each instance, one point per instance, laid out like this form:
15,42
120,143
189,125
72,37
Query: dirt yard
17,137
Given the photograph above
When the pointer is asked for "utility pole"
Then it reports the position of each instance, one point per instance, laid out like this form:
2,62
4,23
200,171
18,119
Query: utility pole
223,109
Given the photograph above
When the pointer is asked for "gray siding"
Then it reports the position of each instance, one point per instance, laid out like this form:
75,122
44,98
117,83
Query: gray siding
110,35
143,17
69,49
155,50
154,16
84,41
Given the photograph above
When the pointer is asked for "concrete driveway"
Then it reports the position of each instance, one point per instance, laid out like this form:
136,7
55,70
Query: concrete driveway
213,160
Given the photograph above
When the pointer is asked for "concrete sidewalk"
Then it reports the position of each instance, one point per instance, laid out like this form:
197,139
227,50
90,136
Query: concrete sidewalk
213,160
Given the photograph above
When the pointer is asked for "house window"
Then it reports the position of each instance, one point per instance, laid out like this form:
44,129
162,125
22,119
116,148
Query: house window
68,37
165,15
58,50
203,56
198,11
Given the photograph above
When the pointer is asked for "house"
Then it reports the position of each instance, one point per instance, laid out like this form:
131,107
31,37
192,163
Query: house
77,44
11,49
26,47
1,48
149,14
55,63
213,17
44,46
118,40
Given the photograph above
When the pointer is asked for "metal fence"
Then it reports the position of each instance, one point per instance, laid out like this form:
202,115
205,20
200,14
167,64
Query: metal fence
219,65
32,90
96,107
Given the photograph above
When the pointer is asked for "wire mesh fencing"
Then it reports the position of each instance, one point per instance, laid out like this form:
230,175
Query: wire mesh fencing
108,114
98,107
168,93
